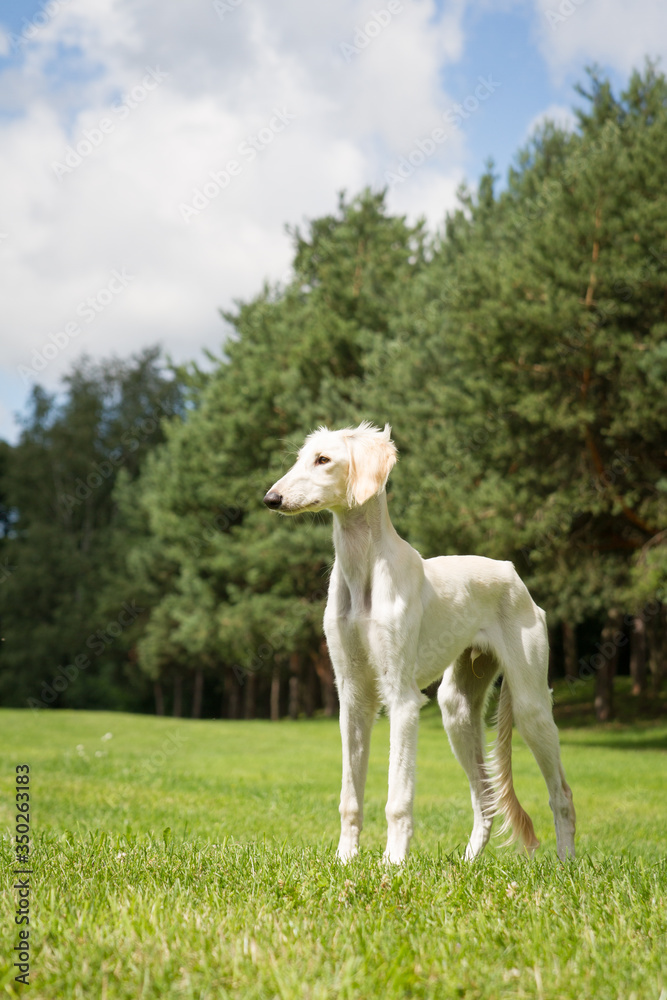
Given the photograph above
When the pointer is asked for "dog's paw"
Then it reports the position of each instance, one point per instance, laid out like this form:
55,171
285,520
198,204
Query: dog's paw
346,852
392,857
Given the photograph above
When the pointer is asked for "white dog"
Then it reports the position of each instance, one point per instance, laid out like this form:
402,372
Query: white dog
394,622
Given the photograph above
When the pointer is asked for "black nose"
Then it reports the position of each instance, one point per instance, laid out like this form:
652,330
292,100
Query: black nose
273,500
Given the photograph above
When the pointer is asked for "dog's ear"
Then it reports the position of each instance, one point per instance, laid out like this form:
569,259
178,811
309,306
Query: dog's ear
372,457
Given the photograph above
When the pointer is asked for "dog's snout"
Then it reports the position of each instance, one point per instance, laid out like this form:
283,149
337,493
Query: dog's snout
273,500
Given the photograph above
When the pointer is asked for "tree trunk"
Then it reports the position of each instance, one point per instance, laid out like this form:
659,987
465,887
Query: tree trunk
159,698
570,657
605,666
656,634
662,670
638,657
275,693
249,706
178,696
293,707
551,666
310,691
198,694
232,695
294,686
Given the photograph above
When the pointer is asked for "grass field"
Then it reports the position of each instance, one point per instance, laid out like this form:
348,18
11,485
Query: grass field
195,860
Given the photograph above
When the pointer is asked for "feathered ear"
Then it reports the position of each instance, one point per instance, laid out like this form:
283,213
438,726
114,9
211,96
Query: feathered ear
372,457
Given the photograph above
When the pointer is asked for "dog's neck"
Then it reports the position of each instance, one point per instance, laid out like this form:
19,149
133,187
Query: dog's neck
361,537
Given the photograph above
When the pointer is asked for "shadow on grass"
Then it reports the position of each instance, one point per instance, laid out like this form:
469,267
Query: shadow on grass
627,740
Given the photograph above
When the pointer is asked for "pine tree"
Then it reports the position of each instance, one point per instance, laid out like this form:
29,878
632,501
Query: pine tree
57,484
245,591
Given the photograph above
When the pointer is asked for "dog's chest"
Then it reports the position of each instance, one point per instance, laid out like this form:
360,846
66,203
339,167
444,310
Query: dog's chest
364,641
362,623
362,646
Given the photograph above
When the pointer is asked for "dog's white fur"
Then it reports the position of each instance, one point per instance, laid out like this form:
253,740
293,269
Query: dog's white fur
394,622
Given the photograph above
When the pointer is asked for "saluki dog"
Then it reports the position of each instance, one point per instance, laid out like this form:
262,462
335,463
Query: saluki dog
394,622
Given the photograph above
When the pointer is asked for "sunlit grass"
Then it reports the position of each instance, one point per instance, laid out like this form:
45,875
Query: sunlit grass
195,860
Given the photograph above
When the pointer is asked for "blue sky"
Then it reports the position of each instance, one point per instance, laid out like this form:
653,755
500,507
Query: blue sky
504,41
155,99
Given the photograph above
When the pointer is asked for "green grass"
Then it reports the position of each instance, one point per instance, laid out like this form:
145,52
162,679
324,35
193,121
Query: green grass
195,860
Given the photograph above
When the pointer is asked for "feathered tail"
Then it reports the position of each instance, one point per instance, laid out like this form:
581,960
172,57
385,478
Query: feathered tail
516,819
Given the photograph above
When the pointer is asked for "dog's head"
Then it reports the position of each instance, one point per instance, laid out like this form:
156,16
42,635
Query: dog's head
335,470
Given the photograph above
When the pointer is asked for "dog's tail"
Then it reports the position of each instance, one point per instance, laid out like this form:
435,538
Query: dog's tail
516,820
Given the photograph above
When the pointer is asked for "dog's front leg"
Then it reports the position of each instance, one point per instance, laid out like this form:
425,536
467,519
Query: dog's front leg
357,714
404,723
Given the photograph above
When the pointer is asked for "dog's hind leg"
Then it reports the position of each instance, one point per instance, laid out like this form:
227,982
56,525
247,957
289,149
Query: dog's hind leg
534,720
462,696
526,672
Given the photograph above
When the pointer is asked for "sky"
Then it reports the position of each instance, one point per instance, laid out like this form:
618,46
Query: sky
153,153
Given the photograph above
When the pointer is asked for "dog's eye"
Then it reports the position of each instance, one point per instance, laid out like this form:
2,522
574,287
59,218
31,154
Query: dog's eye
322,460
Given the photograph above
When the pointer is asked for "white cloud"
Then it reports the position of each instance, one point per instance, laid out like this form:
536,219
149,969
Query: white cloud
614,33
364,89
428,197
225,76
560,115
